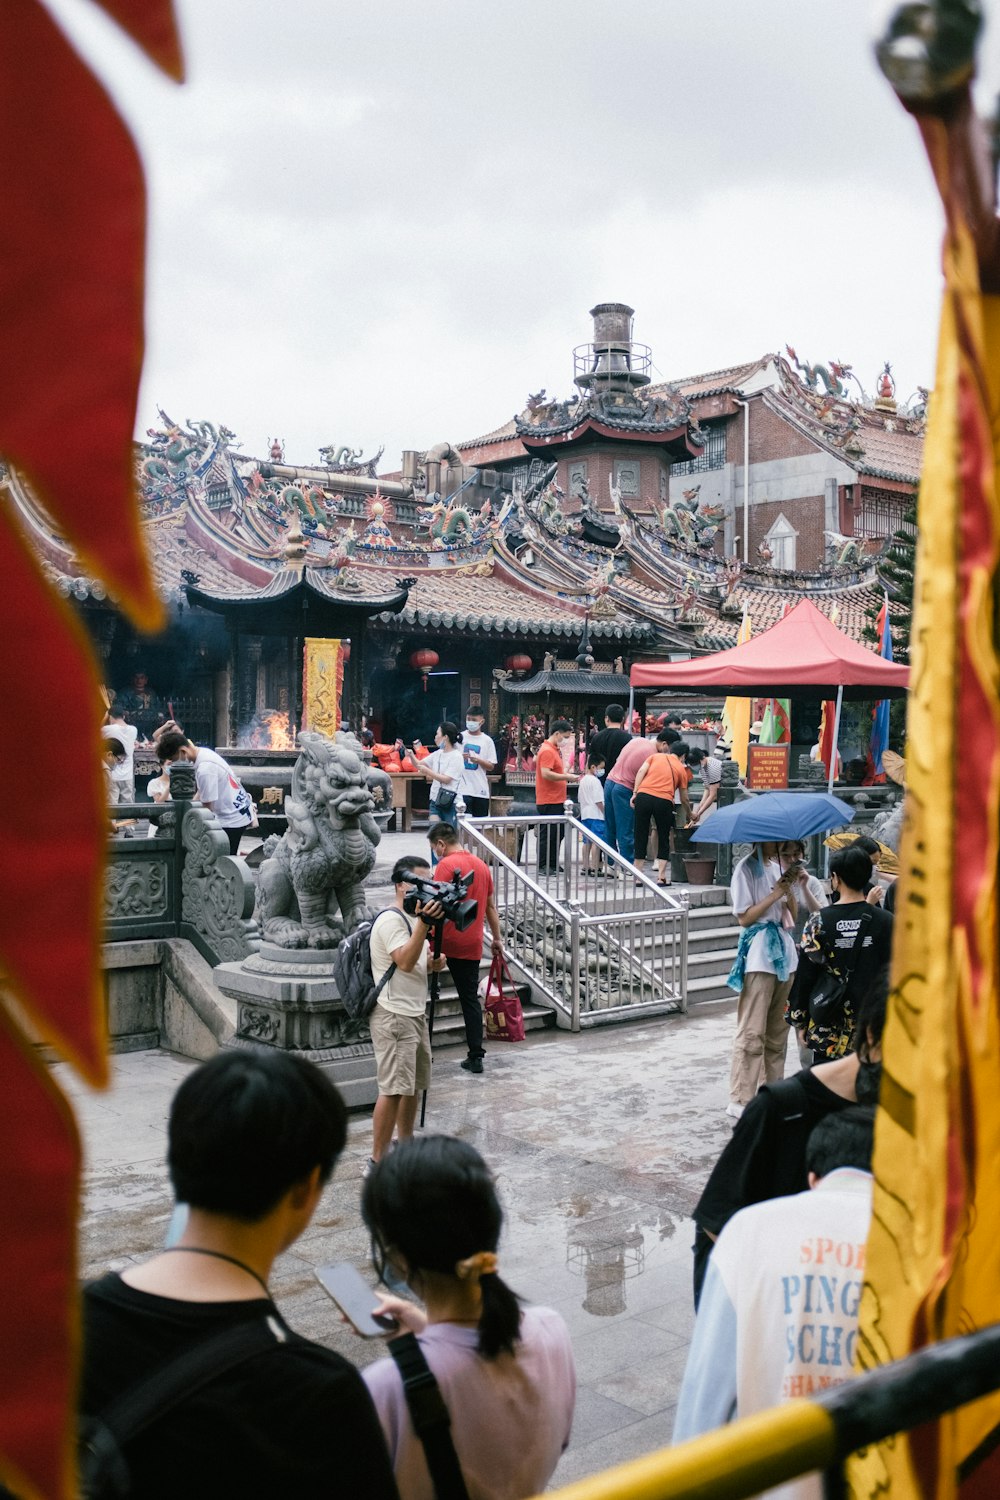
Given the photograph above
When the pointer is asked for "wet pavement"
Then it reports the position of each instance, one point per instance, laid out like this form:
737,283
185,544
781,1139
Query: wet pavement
600,1143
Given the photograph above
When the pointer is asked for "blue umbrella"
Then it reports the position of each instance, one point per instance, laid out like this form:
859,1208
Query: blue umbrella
772,816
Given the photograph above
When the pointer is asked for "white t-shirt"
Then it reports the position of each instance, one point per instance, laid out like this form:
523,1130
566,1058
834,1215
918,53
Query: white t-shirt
406,993
474,778
448,763
216,784
591,795
510,1416
126,734
778,1316
753,879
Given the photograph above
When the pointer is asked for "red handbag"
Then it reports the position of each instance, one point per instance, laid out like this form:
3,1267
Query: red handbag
503,1013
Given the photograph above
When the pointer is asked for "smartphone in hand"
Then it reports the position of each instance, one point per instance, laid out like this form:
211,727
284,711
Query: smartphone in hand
356,1300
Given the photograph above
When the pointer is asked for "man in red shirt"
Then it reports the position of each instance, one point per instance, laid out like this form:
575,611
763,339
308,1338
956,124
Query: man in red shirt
551,781
464,950
619,814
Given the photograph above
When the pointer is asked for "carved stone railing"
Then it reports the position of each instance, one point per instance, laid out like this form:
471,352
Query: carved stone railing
182,882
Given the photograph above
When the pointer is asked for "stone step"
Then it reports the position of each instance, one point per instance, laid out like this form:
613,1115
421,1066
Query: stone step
710,961
702,938
449,1030
708,989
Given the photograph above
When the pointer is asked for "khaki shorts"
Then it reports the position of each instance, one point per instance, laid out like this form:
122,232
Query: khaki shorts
402,1052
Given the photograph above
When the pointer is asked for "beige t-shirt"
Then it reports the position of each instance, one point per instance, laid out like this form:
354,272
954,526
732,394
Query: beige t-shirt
405,994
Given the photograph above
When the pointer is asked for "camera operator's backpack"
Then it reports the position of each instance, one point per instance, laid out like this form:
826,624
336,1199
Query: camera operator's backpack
352,969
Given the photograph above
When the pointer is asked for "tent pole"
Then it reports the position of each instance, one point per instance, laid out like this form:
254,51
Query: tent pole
836,738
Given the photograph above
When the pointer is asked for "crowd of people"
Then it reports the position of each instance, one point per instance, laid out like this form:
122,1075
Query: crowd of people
254,1138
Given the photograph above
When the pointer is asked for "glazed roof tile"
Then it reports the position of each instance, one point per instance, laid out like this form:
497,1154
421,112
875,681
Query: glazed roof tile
488,604
855,605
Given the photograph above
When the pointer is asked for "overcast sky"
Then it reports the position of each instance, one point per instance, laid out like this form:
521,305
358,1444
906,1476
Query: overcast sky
385,222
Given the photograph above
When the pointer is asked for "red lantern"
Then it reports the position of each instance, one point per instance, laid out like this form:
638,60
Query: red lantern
518,664
345,651
424,660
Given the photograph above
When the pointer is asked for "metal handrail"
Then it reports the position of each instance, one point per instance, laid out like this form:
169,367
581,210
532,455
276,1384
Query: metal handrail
772,1447
580,938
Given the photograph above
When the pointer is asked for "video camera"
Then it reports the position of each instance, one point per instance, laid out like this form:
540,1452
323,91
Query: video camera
451,894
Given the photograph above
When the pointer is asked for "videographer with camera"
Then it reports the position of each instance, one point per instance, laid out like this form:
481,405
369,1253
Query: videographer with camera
399,1020
463,946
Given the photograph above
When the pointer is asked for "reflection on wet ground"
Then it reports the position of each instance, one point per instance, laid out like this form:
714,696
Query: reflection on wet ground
600,1143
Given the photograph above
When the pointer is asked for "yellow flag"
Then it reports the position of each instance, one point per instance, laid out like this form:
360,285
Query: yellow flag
736,711
934,1250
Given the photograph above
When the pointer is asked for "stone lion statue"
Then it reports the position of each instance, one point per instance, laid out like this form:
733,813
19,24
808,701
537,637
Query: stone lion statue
309,893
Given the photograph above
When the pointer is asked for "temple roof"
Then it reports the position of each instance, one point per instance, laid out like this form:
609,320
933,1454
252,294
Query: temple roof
569,684
292,592
476,599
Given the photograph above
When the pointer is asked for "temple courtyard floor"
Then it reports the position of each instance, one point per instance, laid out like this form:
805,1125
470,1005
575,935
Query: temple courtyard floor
600,1143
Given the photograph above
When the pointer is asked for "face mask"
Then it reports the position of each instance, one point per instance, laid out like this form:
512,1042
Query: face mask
599,773
473,727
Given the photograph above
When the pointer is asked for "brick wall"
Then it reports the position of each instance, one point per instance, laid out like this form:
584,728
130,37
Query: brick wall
601,459
807,515
770,437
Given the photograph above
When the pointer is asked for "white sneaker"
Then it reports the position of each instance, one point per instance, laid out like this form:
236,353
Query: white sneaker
734,1111
369,1167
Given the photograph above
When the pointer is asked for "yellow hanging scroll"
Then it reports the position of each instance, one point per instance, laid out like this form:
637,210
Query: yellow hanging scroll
323,685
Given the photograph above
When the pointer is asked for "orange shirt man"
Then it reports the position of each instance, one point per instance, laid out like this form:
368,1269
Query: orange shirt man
551,782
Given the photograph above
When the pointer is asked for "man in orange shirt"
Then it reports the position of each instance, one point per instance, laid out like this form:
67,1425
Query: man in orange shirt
551,782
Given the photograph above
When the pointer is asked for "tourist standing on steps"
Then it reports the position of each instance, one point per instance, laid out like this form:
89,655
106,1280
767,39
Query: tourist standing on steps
765,907
551,783
479,758
505,1372
218,789
398,1024
619,787
463,950
253,1139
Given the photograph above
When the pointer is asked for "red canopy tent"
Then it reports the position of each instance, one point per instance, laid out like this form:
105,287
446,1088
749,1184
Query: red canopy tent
802,656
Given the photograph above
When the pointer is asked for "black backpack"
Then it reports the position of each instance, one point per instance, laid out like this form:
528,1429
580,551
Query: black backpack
352,969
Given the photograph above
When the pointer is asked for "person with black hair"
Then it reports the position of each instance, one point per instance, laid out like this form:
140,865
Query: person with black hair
552,781
778,1317
463,950
398,1022
505,1373
218,789
253,1140
443,768
852,940
766,1155
608,743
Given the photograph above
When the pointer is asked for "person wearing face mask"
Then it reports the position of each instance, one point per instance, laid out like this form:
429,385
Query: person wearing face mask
766,1154
479,757
444,769
591,795
551,782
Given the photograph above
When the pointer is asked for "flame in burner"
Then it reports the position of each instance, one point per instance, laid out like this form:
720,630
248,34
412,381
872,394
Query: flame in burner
270,730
